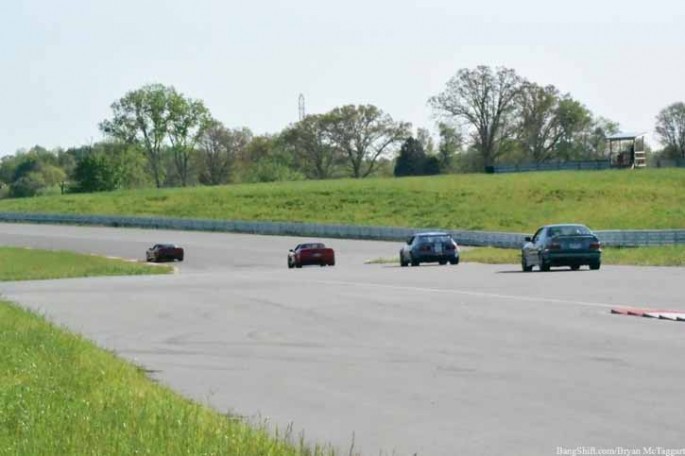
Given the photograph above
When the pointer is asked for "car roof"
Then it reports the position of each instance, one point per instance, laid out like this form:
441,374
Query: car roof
432,233
563,224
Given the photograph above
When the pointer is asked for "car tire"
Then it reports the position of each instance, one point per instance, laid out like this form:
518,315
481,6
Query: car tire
403,263
180,258
443,262
575,267
413,261
544,266
290,264
298,265
525,267
595,266
455,261
332,263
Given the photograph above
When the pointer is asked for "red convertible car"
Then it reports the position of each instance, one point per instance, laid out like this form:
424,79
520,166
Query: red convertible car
164,252
311,253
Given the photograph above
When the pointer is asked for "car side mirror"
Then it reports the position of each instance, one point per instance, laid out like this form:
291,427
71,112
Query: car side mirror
528,239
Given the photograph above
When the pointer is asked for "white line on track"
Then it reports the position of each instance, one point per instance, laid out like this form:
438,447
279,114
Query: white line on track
470,293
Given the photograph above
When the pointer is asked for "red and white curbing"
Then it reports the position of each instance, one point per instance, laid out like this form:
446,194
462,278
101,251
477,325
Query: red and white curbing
672,315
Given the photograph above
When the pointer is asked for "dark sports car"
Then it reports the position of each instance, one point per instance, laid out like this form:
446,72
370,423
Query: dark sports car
164,252
429,248
561,245
311,253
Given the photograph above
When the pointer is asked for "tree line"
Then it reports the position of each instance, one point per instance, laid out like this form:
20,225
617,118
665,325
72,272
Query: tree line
157,136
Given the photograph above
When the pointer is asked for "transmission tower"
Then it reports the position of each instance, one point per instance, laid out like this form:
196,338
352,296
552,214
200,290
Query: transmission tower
300,103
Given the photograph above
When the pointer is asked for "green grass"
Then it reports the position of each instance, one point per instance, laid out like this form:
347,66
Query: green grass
639,256
61,395
638,199
29,264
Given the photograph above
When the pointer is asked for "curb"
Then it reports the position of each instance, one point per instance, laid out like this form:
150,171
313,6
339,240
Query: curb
671,315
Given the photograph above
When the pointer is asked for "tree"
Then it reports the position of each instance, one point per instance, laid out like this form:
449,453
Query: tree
34,177
218,149
670,128
451,142
95,173
362,134
424,137
539,129
311,146
188,120
411,160
265,159
153,117
486,101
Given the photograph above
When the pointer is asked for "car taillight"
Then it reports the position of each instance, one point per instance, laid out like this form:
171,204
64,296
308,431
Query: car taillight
555,246
595,246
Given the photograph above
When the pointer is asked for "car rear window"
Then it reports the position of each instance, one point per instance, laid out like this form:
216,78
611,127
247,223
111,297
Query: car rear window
312,246
434,239
570,230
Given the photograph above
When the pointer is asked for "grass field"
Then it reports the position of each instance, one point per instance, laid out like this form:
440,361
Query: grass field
29,264
641,256
639,199
61,395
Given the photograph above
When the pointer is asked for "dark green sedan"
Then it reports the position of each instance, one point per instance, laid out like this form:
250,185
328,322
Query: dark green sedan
570,245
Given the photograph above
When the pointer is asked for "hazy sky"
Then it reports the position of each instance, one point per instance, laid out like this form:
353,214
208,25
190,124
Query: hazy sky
64,62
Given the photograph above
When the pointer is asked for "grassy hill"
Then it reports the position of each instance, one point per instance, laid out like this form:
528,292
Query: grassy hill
640,199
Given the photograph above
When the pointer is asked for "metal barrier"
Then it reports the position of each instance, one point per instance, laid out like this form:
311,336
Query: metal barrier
552,166
615,238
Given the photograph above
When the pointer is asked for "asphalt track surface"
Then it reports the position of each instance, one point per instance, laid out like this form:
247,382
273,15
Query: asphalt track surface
434,360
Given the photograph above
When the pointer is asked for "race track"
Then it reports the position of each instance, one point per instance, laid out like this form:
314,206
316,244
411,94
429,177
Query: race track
435,360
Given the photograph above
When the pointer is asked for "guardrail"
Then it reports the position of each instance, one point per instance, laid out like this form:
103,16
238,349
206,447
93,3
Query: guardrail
616,238
551,166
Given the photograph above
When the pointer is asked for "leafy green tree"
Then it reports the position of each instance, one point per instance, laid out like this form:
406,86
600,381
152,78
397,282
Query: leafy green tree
157,119
576,123
451,142
310,143
411,159
266,159
141,117
188,120
34,176
363,134
486,101
670,128
424,137
96,173
539,130
219,148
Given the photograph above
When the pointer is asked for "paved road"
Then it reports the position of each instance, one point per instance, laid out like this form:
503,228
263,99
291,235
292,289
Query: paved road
435,360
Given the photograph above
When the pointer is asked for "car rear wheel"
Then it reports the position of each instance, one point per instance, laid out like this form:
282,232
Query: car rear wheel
544,266
454,260
443,262
594,266
575,267
413,261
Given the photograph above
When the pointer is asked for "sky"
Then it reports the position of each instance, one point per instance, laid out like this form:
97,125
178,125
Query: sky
64,62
